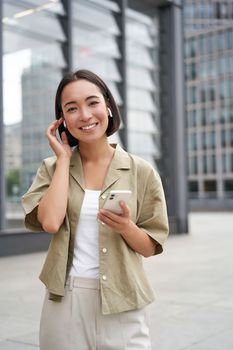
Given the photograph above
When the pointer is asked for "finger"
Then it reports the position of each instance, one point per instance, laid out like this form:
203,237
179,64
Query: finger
51,131
107,221
53,127
118,226
110,216
64,138
125,209
57,123
49,128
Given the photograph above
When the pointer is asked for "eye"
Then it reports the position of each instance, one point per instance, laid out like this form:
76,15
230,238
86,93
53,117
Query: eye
93,103
71,109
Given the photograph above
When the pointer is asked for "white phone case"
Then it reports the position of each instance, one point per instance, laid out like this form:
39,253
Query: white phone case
114,197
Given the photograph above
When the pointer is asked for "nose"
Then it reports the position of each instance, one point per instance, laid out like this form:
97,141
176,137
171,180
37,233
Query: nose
85,114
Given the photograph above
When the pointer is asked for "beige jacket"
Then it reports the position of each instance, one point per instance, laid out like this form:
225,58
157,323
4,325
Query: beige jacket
125,285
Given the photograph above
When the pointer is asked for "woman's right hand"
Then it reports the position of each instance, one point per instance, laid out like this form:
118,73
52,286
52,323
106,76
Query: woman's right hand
61,149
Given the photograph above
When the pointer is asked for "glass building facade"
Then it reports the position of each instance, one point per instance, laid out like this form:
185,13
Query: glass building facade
209,102
142,40
35,44
33,63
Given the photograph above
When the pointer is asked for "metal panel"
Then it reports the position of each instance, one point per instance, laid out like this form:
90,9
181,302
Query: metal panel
146,6
121,20
66,22
172,117
23,242
2,175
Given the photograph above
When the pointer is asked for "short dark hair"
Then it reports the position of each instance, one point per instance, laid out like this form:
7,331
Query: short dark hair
84,74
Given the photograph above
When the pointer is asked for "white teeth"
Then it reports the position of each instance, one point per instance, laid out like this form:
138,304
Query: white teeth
88,127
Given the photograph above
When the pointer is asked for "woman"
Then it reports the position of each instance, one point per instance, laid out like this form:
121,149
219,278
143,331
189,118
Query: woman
97,293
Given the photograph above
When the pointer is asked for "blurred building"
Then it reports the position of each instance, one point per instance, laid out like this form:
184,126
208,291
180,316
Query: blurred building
209,102
128,43
37,112
13,152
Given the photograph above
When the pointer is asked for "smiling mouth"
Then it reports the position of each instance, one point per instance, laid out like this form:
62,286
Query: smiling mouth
88,127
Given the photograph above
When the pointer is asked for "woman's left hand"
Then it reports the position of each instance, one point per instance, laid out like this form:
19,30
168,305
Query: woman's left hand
118,223
137,239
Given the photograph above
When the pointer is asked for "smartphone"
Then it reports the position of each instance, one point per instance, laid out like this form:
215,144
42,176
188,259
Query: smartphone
113,199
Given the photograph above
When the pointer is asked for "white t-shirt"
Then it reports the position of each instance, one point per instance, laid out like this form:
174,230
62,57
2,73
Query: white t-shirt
86,248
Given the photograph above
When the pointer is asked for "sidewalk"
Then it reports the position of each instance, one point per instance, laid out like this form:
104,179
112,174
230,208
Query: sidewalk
193,280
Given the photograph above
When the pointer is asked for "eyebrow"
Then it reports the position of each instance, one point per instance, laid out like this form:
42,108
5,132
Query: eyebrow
86,99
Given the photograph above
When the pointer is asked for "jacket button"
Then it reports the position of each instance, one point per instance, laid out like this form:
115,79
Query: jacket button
104,277
104,250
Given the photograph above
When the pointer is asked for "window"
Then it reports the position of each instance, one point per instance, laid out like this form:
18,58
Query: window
212,93
188,72
231,162
203,116
210,44
222,65
217,10
212,139
187,48
230,113
211,115
193,47
221,41
212,68
193,118
223,115
189,10
203,69
228,186
223,10
224,163
202,45
193,165
231,137
230,88
198,117
194,94
230,64
223,138
223,90
204,164
193,141
230,39
193,189
193,186
193,71
212,164
203,94
210,186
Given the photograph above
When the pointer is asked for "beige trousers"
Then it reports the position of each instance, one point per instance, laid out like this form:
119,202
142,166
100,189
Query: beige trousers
76,323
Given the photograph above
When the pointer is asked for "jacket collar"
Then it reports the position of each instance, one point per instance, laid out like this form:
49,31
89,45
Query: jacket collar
120,161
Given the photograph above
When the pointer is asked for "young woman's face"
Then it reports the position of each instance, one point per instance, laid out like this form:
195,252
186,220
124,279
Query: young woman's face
84,110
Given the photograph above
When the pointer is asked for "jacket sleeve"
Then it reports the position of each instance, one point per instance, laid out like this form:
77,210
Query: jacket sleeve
153,217
31,199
